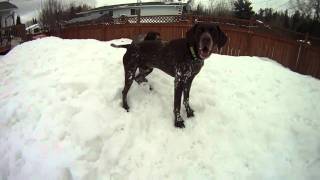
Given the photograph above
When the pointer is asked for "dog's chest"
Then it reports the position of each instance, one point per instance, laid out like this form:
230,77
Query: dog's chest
185,71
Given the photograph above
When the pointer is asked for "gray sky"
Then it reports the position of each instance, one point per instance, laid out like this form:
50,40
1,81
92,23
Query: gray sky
30,8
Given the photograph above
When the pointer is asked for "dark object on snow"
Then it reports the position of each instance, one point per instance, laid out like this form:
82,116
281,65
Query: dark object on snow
141,37
180,58
4,50
149,36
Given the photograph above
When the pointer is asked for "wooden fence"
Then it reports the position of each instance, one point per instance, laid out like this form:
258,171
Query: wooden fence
245,38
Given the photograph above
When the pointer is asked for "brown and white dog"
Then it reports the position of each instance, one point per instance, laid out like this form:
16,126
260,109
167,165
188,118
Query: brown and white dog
179,58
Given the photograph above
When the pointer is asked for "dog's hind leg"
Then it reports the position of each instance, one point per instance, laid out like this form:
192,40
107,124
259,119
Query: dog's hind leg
143,72
129,77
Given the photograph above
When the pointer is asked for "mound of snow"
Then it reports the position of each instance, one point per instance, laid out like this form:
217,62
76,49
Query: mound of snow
61,118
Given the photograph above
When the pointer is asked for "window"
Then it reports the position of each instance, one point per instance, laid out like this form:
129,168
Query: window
36,30
184,9
133,12
110,13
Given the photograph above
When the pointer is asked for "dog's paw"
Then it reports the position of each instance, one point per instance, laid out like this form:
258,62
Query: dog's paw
126,107
178,121
179,124
140,80
190,113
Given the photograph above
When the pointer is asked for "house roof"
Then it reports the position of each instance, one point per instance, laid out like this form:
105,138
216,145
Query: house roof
85,18
32,26
136,4
120,6
5,5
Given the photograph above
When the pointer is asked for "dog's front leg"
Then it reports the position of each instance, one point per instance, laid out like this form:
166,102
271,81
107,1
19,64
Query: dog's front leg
178,88
186,91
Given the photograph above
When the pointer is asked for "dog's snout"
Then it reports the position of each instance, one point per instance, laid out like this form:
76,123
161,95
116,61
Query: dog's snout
205,49
206,39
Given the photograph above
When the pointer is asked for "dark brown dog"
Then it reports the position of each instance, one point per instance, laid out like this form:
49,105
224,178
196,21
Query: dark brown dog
180,58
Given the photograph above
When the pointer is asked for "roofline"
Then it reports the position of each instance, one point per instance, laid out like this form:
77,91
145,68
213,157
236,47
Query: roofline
9,9
129,5
13,7
3,10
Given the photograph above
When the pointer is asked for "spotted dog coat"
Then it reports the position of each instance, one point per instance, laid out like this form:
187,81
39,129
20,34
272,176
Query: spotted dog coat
180,58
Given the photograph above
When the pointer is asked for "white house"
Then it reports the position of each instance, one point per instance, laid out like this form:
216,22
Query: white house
7,14
133,9
33,29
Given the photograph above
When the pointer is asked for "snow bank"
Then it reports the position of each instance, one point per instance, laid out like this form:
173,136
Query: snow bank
60,118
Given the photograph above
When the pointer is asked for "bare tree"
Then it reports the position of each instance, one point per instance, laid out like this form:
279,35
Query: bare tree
222,9
89,3
191,3
307,7
51,13
217,8
316,7
54,12
73,9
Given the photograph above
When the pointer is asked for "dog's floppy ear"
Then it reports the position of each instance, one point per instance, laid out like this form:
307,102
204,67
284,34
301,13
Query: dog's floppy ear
190,34
221,38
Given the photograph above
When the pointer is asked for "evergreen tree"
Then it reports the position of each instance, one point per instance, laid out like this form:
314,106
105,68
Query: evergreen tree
299,21
33,21
295,20
286,20
268,16
243,9
260,14
18,20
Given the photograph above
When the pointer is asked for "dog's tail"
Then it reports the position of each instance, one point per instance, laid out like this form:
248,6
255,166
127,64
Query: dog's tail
121,46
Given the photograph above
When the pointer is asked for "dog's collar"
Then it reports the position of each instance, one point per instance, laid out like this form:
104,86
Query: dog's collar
194,56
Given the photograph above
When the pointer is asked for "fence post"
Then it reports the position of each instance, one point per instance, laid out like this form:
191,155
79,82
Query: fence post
78,32
249,38
303,45
138,16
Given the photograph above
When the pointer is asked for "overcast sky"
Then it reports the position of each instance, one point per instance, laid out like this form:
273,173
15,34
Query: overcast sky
28,9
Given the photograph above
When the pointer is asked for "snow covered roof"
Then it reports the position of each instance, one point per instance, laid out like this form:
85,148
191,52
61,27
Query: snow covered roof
32,26
132,5
90,17
6,5
85,18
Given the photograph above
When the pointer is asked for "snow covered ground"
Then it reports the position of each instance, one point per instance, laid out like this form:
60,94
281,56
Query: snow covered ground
60,118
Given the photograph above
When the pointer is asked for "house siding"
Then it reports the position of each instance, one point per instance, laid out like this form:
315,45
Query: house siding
149,11
158,11
6,15
118,12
